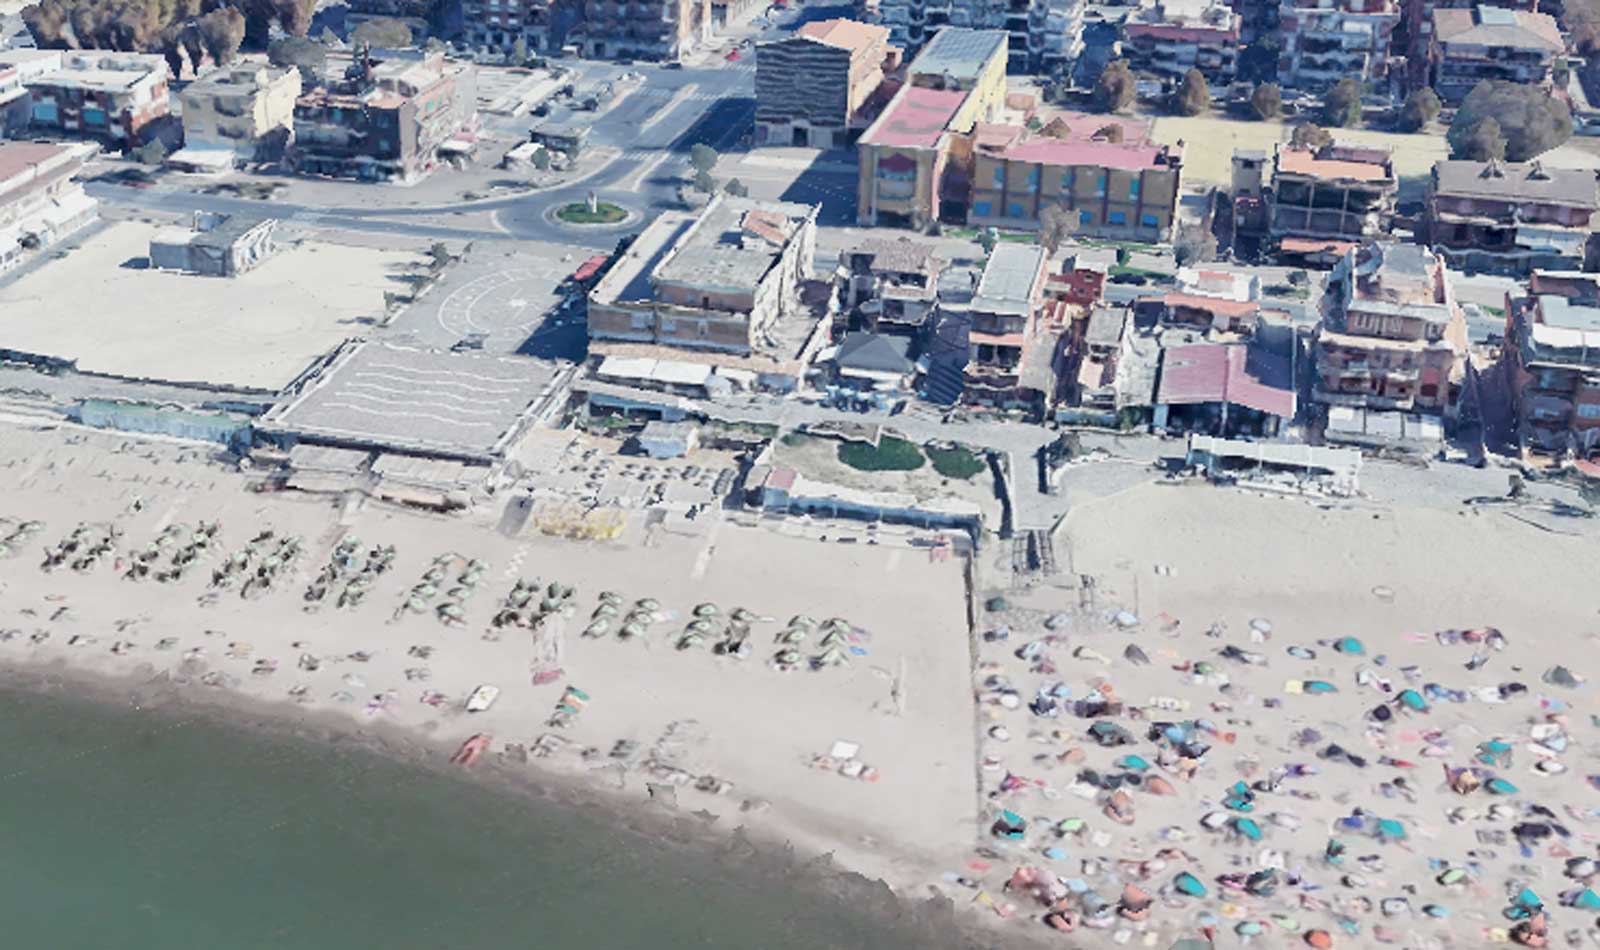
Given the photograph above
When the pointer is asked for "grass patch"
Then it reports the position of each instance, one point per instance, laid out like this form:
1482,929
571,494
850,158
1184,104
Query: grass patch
891,455
578,213
955,462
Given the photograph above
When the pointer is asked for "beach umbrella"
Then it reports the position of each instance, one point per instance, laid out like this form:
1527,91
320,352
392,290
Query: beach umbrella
742,615
611,597
630,630
648,604
1248,828
1350,645
690,639
792,635
599,628
604,610
1500,786
1188,884
1319,687
1390,830
706,610
1411,699
699,626
801,620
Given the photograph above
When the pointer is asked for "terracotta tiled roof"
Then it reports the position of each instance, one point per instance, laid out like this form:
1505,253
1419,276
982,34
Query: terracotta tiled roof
846,34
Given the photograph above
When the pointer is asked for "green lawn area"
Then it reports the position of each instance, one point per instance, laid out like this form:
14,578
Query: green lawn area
578,213
955,462
891,455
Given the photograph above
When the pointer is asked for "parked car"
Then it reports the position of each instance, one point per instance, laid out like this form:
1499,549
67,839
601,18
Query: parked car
733,56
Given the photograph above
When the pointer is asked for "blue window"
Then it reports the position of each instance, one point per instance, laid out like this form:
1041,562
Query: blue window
1150,221
1016,210
999,176
1066,180
982,209
1133,189
44,112
1116,217
1033,178
1085,217
1100,185
93,116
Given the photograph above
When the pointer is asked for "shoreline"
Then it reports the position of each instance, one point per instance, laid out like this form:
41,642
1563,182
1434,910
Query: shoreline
761,849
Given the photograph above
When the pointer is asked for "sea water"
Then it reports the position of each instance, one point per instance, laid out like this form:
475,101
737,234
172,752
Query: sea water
145,830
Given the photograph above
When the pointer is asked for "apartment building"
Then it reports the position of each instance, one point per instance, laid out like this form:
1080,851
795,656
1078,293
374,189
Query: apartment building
894,283
240,111
720,281
385,120
1324,41
40,203
110,96
1210,301
1125,189
1513,218
1043,35
497,25
1483,42
1323,203
661,30
1257,19
1552,355
1417,28
1392,336
1174,36
914,159
813,87
1010,360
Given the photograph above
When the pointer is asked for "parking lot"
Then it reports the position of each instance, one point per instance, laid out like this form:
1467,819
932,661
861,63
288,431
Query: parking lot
513,297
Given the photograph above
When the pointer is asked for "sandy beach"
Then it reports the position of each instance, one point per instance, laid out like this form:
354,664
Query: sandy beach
735,721
1230,715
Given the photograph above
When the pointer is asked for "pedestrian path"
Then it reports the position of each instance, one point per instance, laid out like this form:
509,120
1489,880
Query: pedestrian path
654,154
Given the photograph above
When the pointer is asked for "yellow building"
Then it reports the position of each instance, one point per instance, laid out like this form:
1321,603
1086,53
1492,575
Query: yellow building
238,109
1116,184
912,159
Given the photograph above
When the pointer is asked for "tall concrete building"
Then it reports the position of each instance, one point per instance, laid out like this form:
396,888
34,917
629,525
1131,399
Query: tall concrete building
661,30
498,24
1324,41
234,111
812,88
1043,35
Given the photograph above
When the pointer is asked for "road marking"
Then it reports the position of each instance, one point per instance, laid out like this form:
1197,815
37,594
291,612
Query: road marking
678,98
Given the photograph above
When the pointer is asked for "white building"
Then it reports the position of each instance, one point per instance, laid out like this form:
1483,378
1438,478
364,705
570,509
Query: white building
39,202
1044,35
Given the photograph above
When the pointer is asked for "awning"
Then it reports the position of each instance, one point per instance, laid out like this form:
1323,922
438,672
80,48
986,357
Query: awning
202,158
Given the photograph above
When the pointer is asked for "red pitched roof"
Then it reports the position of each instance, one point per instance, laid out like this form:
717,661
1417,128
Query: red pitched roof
915,118
1226,372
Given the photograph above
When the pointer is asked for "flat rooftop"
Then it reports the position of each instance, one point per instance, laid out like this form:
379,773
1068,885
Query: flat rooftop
959,53
915,118
101,307
467,406
1008,278
733,244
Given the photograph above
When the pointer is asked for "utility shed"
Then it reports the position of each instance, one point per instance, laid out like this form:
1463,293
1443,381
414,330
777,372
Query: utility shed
219,246
668,440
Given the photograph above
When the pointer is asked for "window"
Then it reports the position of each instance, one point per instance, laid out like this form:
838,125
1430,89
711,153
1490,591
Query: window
1016,210
1066,180
1085,217
1100,185
982,209
1033,178
1117,217
1589,410
1133,189
1429,390
1150,221
999,176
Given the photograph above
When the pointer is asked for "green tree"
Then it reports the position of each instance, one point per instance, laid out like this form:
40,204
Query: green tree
987,239
382,33
703,158
703,182
541,159
1530,119
153,152
1341,107
1267,101
222,30
1195,244
519,52
1480,142
1194,97
299,52
736,188
1115,90
1111,133
1309,137
1056,224
1420,108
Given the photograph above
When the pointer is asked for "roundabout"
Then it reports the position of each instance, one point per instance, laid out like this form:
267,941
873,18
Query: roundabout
580,212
